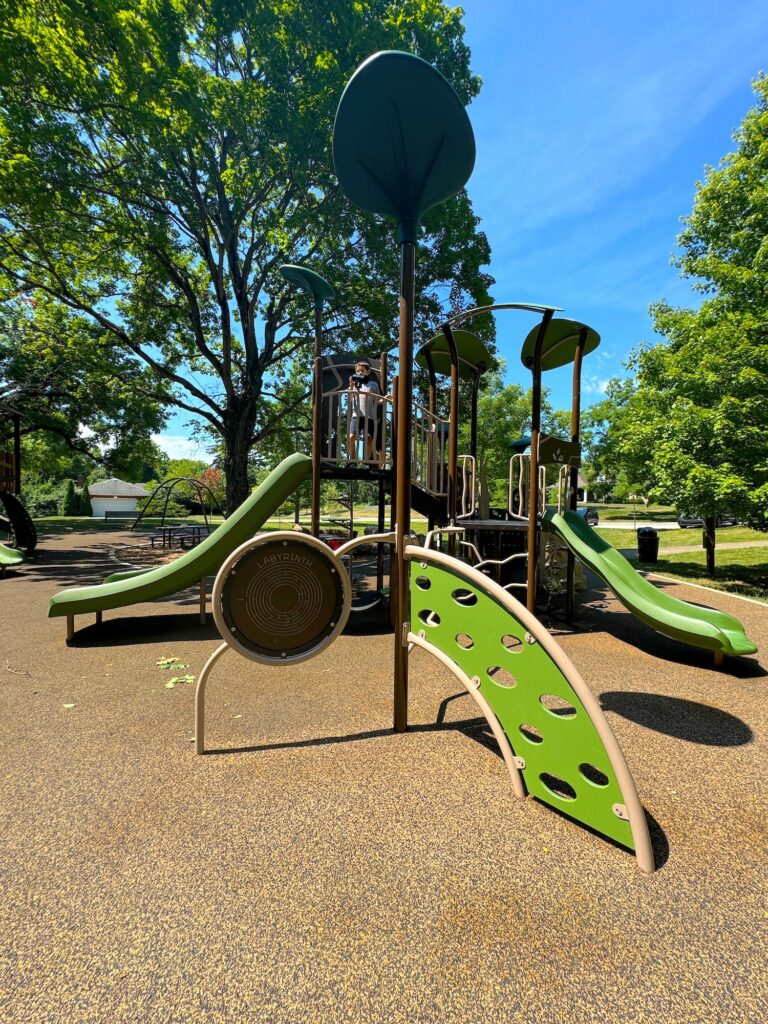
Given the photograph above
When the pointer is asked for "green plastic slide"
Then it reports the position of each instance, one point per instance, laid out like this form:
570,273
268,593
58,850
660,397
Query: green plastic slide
202,561
700,627
10,556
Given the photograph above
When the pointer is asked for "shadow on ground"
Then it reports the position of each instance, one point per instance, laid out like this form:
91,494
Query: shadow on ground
682,719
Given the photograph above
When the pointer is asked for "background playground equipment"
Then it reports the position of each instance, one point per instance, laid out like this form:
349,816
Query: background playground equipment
164,492
16,522
193,567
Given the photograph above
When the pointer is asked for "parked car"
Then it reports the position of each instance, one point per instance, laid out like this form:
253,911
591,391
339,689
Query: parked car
688,522
589,515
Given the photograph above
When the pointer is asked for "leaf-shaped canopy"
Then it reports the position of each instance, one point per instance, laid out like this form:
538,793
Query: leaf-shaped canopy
471,350
560,343
402,141
311,282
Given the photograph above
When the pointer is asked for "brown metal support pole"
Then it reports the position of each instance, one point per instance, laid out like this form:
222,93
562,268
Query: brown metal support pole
570,588
432,450
479,370
403,475
317,411
392,507
533,487
17,453
453,435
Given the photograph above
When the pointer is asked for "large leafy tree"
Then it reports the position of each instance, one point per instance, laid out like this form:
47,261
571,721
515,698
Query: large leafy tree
159,159
693,424
83,400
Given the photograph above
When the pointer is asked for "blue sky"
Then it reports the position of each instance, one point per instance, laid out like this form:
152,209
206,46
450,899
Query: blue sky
593,125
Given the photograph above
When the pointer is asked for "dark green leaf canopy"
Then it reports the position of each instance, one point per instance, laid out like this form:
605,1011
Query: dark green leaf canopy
560,342
311,282
472,353
402,141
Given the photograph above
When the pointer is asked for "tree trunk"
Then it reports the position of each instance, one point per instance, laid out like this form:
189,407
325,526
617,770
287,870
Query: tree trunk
708,540
239,424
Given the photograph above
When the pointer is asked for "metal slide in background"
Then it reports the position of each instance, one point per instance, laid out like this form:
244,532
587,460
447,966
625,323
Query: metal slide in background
701,627
194,566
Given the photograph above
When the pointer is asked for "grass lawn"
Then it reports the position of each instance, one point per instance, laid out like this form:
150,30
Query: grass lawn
652,514
744,571
681,538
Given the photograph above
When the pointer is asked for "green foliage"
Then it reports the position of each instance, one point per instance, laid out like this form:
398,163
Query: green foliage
41,497
84,507
78,394
69,506
504,415
179,153
693,424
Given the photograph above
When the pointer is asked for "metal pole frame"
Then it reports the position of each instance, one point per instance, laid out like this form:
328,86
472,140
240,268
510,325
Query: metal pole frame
317,401
402,477
453,432
533,486
570,589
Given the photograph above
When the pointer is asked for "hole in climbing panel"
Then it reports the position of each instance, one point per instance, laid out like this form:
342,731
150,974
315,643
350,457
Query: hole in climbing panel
428,617
531,733
464,640
501,677
557,706
423,582
464,597
558,787
511,643
593,775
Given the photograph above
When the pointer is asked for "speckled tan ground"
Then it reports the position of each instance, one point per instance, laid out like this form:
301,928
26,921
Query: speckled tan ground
336,872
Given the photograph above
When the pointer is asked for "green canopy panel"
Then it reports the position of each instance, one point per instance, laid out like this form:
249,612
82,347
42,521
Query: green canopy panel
309,281
519,446
402,141
560,344
472,354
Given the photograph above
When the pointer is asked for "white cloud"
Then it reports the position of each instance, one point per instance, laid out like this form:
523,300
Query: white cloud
178,446
592,385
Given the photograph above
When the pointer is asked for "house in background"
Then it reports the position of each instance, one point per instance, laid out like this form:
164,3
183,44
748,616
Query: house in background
113,499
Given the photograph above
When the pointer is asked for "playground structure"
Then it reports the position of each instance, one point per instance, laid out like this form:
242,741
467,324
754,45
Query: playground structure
16,522
165,490
402,144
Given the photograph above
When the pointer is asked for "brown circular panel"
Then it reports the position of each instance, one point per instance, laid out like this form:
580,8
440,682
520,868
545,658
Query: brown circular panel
282,598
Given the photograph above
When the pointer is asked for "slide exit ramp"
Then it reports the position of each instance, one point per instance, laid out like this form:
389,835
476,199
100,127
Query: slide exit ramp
194,566
553,735
701,627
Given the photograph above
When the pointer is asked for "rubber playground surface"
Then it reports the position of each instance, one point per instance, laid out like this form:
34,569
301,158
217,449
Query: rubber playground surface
318,868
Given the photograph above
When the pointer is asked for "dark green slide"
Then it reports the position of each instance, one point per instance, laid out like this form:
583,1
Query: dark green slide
195,565
701,627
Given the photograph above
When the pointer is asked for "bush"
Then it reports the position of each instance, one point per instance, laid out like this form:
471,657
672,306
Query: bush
70,506
84,507
41,498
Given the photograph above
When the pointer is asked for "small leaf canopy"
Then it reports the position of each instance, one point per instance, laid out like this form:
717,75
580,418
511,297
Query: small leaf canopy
402,141
472,353
560,343
317,286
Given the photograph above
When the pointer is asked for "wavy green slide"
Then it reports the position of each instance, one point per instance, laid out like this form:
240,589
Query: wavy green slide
195,565
701,627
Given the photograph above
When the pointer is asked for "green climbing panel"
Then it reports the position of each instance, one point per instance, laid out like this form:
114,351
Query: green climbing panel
566,764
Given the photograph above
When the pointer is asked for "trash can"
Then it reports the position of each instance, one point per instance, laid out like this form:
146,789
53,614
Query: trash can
648,544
